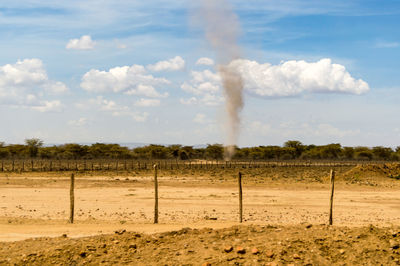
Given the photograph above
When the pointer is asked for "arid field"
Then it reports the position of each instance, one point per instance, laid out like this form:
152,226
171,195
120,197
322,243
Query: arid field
285,212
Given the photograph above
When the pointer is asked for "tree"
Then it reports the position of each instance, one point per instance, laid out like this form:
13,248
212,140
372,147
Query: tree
295,144
3,150
33,146
348,152
331,151
215,151
382,152
363,153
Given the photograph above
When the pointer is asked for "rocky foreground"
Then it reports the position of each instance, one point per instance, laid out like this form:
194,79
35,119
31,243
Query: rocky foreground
239,245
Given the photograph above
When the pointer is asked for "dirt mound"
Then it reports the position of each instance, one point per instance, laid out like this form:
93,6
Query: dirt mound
391,170
255,245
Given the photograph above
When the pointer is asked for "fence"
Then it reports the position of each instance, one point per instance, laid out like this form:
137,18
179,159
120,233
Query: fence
240,196
129,165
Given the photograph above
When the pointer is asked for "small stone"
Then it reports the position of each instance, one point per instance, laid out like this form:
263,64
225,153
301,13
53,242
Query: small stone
64,235
296,256
254,251
394,244
308,226
120,232
341,251
133,246
228,249
240,250
116,242
269,254
83,254
206,264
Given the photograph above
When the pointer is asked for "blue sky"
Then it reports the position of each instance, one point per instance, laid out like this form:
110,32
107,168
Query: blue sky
127,71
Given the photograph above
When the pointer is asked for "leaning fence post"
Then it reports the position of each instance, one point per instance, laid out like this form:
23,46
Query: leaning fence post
240,198
72,199
155,195
331,199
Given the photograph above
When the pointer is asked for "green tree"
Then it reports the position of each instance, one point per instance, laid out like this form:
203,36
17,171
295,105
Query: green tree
295,144
363,153
33,146
382,153
4,153
215,151
348,152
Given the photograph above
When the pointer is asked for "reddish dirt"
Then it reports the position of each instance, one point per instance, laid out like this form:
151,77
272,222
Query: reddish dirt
239,245
284,212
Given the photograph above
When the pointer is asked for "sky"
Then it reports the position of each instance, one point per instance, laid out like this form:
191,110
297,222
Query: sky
142,71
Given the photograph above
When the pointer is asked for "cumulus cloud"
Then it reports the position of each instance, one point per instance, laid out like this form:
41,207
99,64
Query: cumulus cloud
293,78
83,43
133,80
147,102
288,79
26,83
115,109
146,90
49,106
190,101
173,64
206,85
205,61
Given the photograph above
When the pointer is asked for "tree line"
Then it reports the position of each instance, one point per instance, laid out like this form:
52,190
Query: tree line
291,150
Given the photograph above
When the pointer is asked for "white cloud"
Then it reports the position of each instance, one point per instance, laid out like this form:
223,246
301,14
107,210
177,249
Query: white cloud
112,107
133,80
206,85
173,64
147,102
146,90
140,117
56,87
49,106
205,61
83,43
293,78
190,101
78,123
26,83
288,79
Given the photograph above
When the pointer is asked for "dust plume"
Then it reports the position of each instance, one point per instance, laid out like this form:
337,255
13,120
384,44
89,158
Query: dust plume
222,29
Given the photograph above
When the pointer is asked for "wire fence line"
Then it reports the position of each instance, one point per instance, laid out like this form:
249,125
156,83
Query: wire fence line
40,165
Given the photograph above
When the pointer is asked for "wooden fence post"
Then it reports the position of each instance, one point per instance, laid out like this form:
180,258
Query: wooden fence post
331,198
72,199
240,198
155,195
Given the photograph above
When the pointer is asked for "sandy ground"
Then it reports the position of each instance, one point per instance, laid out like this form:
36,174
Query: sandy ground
39,206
